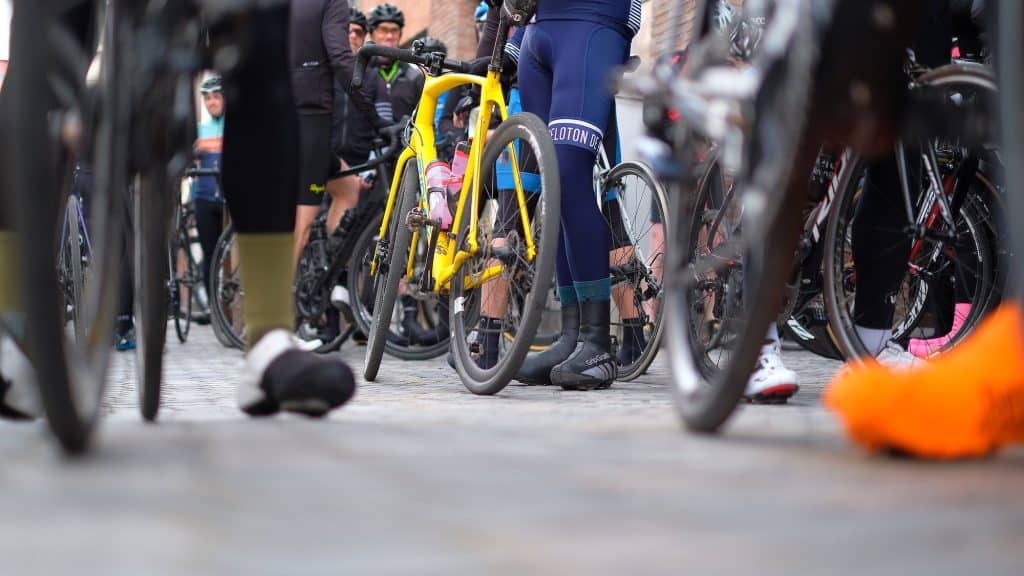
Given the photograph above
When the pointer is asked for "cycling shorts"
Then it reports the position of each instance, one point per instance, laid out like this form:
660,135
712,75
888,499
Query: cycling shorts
316,161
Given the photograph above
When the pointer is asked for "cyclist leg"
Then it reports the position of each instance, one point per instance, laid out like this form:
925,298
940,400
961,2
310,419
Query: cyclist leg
344,192
580,56
261,131
622,252
535,81
315,165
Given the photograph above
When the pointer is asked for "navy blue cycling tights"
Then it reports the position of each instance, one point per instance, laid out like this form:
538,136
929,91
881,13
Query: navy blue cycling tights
564,68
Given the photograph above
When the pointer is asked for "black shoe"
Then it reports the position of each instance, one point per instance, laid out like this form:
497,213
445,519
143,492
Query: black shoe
201,317
483,349
591,366
633,342
416,334
536,369
279,376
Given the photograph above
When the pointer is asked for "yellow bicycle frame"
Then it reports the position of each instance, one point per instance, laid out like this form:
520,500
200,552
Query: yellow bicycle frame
447,262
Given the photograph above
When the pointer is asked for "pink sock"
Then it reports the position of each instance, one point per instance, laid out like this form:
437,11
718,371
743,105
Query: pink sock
924,348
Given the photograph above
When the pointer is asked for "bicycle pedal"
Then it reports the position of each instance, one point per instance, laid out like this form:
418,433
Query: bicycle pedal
416,219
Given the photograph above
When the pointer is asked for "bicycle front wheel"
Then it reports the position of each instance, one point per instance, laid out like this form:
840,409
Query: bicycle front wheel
499,295
391,255
151,208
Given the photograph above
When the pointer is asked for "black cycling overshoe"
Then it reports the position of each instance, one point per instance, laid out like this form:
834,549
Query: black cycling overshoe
305,383
633,342
536,369
592,365
484,347
417,335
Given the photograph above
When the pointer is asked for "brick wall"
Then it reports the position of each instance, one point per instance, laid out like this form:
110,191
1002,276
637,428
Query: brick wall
452,22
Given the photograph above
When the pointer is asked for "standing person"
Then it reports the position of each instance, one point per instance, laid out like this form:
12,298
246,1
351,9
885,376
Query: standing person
351,133
399,84
564,65
320,52
206,193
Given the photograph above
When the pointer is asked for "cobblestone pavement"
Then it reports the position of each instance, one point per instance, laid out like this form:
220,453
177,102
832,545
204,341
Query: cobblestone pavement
419,476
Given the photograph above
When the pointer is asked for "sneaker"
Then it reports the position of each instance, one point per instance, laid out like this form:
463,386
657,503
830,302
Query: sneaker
925,348
771,382
124,341
895,357
280,376
201,317
19,397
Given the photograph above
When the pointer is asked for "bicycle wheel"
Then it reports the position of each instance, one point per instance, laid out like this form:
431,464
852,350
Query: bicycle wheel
733,258
360,289
186,277
151,204
636,210
71,372
227,298
935,265
502,280
391,255
72,266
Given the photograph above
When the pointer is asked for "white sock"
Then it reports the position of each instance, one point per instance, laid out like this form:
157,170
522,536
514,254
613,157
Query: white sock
773,333
874,340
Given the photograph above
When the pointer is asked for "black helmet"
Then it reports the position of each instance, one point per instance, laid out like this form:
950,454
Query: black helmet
357,17
386,13
211,84
431,44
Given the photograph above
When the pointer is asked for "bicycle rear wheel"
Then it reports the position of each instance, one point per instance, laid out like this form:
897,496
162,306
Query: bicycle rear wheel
936,267
227,298
502,280
391,256
636,210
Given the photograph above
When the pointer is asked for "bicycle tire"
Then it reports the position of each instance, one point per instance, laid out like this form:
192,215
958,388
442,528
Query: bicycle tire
779,157
658,197
840,317
71,375
151,205
530,130
358,270
391,267
224,282
183,317
73,246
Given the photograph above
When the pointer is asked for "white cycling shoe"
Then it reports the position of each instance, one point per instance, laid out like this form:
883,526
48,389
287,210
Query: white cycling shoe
771,382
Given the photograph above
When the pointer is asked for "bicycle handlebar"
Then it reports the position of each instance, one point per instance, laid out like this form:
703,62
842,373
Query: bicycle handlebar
435,61
393,134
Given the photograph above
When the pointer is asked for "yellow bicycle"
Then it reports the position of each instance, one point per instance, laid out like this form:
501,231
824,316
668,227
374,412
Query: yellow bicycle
495,262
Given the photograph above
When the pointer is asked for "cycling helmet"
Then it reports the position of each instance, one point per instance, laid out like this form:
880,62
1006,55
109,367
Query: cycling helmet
211,84
386,13
481,12
431,44
357,17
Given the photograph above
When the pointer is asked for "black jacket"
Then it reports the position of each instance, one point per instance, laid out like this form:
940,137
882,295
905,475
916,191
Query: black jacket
401,95
319,53
351,131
